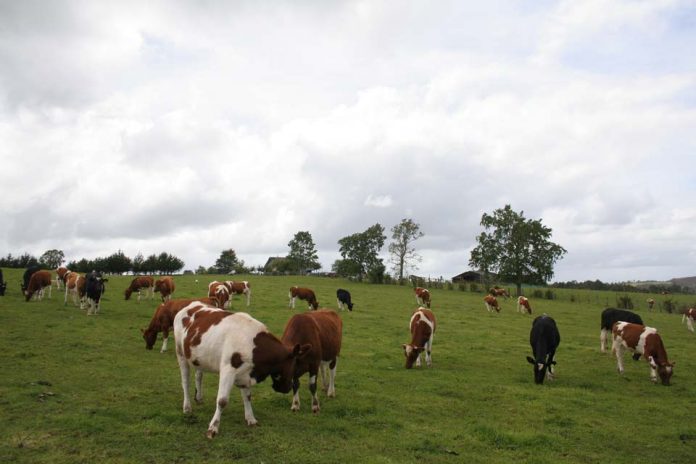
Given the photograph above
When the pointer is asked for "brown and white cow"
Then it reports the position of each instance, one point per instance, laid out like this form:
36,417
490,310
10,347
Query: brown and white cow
75,286
220,292
646,342
688,317
303,294
37,283
165,286
422,296
491,303
322,330
237,346
163,319
239,288
651,303
60,276
422,327
523,305
497,291
138,284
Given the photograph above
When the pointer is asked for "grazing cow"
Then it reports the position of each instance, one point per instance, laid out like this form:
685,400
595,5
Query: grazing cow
322,330
163,319
343,299
303,294
37,283
491,303
688,317
220,292
165,286
27,276
497,291
422,327
651,303
609,317
422,296
642,341
139,283
544,339
237,346
94,289
240,288
3,284
75,286
60,276
523,305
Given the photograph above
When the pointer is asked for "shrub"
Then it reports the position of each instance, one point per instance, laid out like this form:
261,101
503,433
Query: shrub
462,287
669,305
450,286
549,295
538,293
624,302
474,288
572,298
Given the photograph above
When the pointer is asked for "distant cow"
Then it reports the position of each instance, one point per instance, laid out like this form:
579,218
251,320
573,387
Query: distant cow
491,303
94,289
523,305
544,339
343,299
3,284
163,319
138,284
322,330
220,292
422,296
651,303
609,317
240,288
75,286
688,317
165,286
303,294
422,328
60,276
237,346
643,341
37,283
497,291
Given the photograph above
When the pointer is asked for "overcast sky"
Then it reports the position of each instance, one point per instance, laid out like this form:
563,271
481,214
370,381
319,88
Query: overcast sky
193,127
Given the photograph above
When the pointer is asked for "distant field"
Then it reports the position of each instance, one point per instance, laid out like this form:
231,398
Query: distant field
84,389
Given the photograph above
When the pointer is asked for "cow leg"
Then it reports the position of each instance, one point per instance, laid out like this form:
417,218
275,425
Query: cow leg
603,341
331,391
184,368
49,291
138,295
165,338
313,390
199,386
617,348
428,349
227,375
690,324
248,412
550,375
340,306
295,394
65,300
248,295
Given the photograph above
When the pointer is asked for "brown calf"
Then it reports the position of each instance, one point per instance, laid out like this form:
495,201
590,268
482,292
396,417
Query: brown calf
163,320
303,294
165,286
491,303
139,283
422,296
644,341
523,305
422,331
322,330
38,281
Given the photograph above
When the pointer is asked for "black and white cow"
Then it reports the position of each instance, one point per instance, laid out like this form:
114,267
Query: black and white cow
343,298
3,284
611,316
544,338
94,289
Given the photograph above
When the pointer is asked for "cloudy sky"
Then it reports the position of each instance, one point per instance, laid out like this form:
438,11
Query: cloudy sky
192,127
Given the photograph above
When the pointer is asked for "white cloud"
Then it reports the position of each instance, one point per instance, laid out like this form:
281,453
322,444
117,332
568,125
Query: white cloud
378,201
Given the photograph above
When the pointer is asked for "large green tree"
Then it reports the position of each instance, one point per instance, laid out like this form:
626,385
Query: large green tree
519,250
403,253
303,253
362,249
51,259
227,262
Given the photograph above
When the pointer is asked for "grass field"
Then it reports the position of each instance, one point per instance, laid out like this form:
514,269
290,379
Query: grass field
83,389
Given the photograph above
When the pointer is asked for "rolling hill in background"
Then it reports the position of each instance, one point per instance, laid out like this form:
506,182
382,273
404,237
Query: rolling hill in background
684,282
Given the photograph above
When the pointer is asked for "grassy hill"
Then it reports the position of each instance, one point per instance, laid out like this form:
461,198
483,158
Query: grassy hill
84,389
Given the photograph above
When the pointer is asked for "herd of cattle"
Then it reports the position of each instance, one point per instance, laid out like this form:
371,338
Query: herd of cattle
243,351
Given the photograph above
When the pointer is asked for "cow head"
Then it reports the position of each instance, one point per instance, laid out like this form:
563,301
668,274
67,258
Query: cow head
664,370
411,352
540,369
283,374
150,337
128,293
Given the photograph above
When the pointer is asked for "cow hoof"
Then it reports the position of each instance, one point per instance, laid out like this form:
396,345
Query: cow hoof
294,408
331,394
187,409
211,434
199,400
252,423
315,409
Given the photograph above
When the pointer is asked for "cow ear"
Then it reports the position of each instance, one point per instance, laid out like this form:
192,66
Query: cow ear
531,360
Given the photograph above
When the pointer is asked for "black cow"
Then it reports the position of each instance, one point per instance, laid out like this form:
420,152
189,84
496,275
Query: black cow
343,298
30,271
94,289
3,284
544,338
611,316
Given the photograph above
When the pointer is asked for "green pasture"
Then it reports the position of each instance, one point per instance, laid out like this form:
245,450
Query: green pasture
77,388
